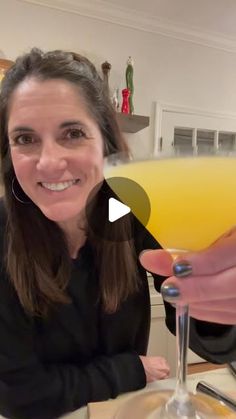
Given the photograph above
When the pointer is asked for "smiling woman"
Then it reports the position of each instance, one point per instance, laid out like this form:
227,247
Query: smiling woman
74,306
65,343
56,126
56,148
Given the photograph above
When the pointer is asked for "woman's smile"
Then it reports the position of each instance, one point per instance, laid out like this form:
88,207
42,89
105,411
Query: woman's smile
56,147
59,186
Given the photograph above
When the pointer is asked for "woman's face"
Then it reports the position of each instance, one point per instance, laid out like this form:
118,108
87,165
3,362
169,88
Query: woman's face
56,147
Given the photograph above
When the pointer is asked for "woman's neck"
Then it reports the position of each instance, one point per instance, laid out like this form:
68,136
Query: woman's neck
76,235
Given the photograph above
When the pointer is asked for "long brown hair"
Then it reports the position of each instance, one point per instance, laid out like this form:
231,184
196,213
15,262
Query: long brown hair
37,256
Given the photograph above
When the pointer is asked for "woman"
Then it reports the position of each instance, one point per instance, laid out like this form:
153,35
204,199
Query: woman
74,306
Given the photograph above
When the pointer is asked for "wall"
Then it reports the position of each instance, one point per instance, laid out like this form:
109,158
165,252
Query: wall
166,70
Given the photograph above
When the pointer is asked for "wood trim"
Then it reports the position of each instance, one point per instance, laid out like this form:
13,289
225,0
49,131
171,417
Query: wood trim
204,366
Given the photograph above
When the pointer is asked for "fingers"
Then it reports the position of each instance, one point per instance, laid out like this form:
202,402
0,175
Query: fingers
205,280
197,289
220,317
157,261
219,256
217,305
156,368
215,311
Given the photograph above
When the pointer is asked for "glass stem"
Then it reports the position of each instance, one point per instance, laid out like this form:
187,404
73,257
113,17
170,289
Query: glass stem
180,404
182,341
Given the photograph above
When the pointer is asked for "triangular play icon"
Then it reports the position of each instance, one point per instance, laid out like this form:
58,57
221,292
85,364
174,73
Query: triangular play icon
116,209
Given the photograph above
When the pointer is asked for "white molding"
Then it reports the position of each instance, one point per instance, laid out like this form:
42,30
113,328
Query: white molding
169,107
123,16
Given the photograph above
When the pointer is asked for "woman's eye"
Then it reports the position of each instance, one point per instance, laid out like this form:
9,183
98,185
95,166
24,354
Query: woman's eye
24,139
75,133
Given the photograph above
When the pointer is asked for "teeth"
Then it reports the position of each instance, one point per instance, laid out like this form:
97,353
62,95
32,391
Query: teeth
60,186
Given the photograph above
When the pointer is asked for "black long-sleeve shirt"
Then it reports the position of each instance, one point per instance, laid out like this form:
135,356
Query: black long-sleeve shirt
79,353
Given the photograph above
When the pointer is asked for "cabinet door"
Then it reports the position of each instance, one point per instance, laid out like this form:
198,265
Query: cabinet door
195,133
161,341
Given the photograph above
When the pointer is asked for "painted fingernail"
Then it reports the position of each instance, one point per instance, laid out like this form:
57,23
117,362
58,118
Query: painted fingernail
182,268
170,292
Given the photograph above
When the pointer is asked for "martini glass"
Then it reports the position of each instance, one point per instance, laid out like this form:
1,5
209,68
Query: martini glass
193,202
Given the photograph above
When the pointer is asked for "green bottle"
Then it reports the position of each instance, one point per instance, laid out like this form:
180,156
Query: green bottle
129,82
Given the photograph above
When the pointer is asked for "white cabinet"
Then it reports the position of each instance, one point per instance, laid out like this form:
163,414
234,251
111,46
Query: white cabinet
193,131
161,341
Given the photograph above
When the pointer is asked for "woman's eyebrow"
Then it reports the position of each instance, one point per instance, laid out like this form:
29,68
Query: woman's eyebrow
25,128
73,122
21,129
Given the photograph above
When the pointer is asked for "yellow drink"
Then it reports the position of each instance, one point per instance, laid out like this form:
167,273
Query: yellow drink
193,199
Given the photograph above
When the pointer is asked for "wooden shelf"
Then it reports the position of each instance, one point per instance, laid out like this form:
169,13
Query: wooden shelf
132,123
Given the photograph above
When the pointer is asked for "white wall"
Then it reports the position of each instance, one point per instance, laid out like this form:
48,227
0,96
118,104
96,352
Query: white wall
166,69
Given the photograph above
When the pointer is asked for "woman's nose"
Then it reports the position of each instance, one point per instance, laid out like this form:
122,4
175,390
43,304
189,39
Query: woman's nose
51,158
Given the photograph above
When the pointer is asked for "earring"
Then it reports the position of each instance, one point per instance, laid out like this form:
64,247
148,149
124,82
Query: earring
15,195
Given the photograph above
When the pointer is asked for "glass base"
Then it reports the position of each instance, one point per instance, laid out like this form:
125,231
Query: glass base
151,405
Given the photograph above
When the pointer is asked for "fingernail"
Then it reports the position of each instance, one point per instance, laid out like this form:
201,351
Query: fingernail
170,292
182,268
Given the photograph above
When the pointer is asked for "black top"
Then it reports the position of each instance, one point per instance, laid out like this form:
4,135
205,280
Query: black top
79,353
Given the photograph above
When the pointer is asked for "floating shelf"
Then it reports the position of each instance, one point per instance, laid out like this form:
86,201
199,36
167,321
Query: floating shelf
132,123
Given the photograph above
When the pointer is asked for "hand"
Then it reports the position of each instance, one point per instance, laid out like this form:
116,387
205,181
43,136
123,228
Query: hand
210,288
156,368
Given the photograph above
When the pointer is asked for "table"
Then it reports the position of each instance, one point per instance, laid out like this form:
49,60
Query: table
220,378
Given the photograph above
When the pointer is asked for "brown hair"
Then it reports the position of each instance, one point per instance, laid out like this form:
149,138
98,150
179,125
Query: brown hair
37,256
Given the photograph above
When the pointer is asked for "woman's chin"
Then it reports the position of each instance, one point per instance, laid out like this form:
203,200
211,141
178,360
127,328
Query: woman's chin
60,213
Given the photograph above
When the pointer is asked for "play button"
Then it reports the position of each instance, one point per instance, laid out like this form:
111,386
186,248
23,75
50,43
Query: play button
113,208
116,210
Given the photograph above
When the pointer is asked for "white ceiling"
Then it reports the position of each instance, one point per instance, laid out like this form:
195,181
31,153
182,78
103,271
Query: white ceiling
208,22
